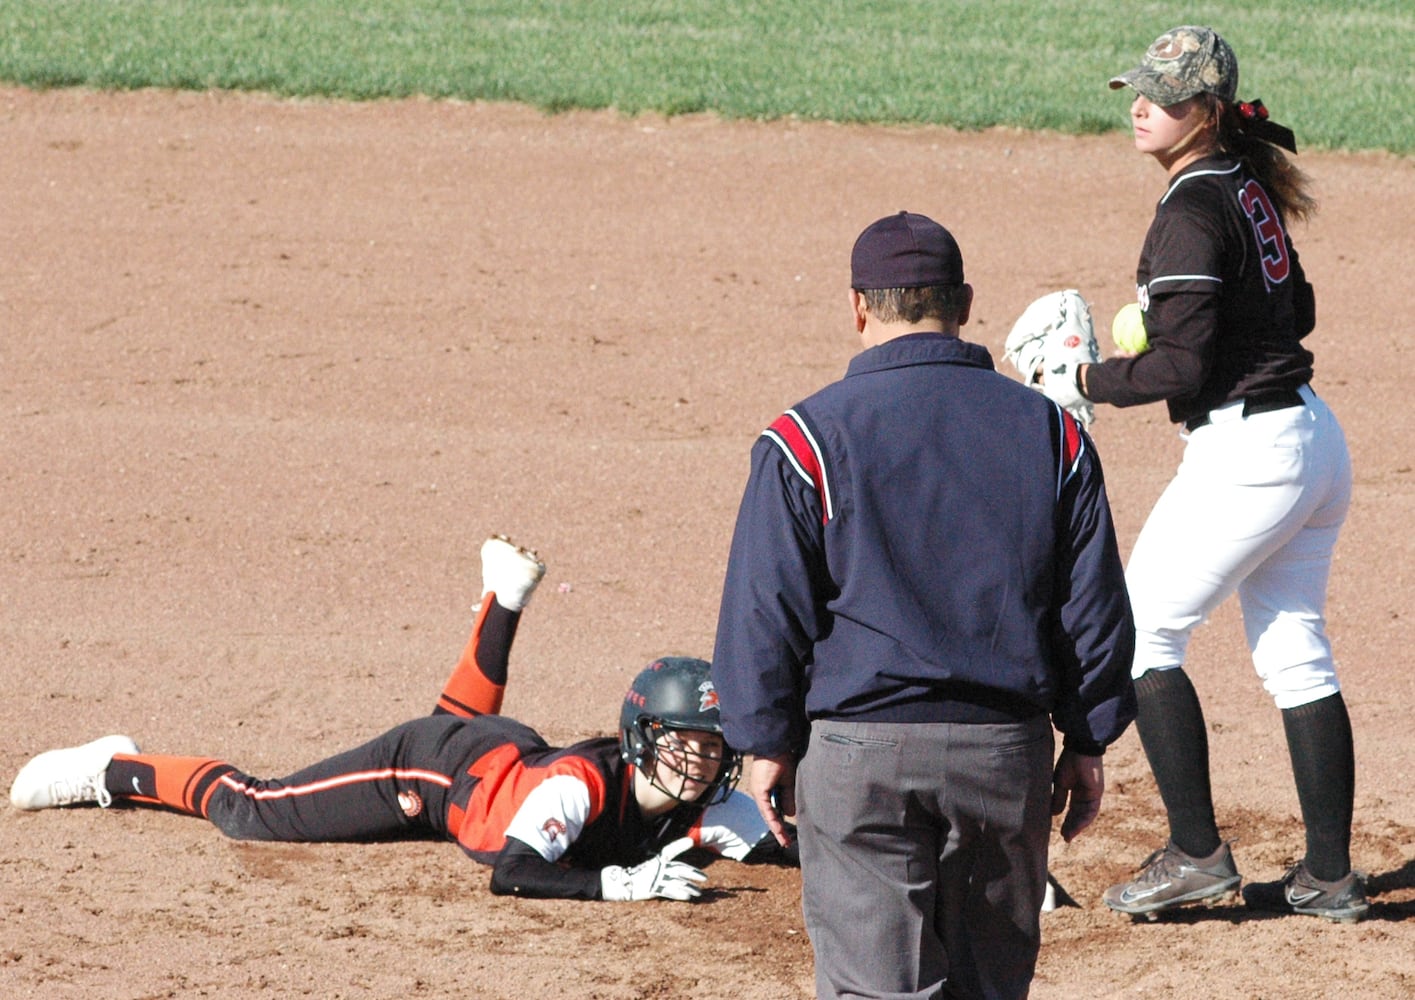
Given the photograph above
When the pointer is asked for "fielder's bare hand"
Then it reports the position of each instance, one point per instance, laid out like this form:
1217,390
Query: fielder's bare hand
1079,780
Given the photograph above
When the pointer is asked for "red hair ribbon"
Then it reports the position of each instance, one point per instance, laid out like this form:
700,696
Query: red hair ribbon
1253,109
1253,119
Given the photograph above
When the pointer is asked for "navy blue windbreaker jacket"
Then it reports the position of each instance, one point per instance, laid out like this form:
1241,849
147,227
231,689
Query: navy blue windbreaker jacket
925,540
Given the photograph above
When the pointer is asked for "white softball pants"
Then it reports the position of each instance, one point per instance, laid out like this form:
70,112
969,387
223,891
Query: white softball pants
1256,506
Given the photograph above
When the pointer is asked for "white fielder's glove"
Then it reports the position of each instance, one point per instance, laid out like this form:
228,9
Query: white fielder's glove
1050,340
659,877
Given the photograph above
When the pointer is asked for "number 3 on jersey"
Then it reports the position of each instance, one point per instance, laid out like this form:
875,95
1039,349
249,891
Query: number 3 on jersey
1267,229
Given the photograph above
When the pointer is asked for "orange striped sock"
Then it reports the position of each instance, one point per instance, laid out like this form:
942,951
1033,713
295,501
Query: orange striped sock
478,681
181,783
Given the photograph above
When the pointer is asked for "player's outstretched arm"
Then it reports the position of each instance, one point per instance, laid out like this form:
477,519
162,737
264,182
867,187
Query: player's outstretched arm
519,870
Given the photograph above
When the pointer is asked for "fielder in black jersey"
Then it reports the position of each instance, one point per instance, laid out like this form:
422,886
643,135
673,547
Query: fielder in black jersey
601,819
1225,300
1258,502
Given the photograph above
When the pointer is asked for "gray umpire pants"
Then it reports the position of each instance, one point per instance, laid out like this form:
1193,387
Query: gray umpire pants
924,856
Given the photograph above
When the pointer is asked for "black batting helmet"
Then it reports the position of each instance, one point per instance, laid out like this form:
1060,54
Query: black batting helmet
673,693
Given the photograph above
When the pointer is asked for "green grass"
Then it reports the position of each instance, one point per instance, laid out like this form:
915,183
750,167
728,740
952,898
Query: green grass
1338,71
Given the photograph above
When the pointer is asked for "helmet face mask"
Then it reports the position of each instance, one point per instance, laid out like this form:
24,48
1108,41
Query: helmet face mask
690,765
669,708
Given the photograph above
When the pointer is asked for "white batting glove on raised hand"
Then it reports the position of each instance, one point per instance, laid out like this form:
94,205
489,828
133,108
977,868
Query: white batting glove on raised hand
659,877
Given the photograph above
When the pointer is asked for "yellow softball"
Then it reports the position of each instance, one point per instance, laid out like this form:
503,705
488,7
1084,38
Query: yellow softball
1128,330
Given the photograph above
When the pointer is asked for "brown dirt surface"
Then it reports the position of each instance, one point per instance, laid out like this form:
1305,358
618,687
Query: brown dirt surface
273,369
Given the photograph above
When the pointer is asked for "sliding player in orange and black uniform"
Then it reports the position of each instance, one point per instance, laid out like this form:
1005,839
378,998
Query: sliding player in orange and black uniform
602,819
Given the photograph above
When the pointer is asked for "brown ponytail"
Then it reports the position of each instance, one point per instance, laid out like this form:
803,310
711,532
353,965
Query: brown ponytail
1284,181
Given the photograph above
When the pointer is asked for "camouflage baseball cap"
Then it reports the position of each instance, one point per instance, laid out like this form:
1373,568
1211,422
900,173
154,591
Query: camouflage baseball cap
1182,62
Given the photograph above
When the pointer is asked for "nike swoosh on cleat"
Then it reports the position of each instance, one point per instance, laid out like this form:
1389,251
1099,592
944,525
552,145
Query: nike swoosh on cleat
1130,896
1296,899
136,787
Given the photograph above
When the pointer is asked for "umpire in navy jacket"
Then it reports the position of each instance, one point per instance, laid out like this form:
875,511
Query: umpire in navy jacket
923,581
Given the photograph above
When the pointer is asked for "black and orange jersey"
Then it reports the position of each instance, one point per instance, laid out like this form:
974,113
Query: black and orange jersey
574,804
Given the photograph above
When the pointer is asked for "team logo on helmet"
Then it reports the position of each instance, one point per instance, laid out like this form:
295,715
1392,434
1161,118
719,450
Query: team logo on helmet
707,696
411,803
553,829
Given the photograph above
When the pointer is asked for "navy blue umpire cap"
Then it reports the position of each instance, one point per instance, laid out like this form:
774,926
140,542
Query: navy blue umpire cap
905,251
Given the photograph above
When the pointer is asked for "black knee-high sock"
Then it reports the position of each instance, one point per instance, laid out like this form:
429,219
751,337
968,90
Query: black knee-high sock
1176,742
1324,767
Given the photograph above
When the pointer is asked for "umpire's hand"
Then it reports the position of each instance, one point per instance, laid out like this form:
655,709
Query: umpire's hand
1081,780
772,783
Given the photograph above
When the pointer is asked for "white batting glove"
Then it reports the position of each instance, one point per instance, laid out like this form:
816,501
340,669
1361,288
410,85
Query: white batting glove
659,877
732,827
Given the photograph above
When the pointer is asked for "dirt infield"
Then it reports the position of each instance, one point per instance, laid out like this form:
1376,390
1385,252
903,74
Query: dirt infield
270,371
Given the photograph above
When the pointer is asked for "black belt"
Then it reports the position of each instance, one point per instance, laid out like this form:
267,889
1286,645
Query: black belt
1277,399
